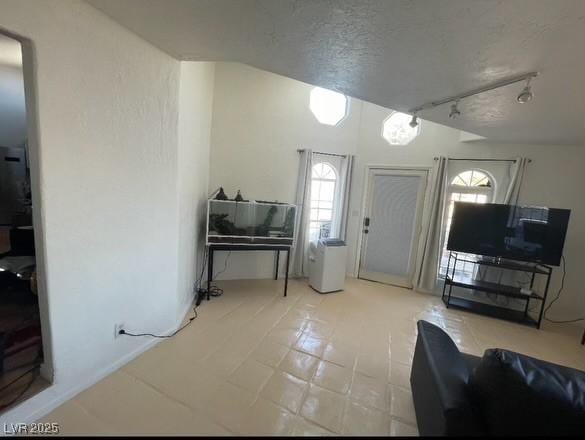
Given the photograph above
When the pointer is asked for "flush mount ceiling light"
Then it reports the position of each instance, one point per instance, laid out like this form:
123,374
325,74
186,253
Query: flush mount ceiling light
525,96
526,93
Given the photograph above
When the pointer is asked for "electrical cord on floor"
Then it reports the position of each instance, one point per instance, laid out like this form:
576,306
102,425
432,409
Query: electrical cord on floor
554,321
35,373
124,332
203,266
214,290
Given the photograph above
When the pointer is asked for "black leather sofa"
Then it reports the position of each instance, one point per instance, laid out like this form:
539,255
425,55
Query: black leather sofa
501,393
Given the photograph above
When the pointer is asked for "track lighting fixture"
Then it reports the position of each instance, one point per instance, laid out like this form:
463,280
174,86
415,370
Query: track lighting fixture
454,113
414,121
526,93
525,96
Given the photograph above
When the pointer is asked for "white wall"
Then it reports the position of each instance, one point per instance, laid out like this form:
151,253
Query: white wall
112,192
260,119
195,106
12,107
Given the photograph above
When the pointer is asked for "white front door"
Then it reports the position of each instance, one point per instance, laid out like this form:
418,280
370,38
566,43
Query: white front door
391,226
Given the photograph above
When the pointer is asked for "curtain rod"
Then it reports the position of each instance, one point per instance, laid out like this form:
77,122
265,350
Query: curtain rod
324,154
484,160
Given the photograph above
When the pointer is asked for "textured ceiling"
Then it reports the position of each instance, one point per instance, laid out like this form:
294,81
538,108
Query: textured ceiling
396,53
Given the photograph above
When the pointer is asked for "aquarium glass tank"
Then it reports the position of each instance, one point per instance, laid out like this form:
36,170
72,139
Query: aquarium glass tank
250,222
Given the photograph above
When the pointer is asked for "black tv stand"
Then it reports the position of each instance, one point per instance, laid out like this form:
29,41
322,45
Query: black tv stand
453,278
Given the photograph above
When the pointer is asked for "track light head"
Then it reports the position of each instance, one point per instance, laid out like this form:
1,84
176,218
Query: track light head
526,93
414,121
454,113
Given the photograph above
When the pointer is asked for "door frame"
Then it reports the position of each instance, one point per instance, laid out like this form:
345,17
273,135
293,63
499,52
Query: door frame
366,188
34,158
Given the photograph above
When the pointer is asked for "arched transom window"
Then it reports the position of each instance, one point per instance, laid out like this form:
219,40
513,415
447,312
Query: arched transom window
323,190
472,186
472,179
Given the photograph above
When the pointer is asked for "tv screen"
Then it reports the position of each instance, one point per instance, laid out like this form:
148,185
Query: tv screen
525,233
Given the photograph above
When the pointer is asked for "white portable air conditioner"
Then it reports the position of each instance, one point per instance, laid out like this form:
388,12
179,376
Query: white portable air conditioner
327,259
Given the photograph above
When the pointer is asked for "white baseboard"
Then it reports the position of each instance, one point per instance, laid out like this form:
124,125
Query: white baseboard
55,395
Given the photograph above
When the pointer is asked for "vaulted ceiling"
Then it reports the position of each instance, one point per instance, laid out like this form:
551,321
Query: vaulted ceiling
396,53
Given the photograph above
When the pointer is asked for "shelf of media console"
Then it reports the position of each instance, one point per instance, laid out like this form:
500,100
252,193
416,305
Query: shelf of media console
505,264
468,282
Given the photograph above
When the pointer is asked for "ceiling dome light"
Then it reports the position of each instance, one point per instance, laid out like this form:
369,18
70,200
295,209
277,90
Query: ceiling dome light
526,93
454,113
414,121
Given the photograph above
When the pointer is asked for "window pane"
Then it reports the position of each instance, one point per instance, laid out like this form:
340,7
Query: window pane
324,171
472,178
329,107
396,129
325,214
322,199
315,185
468,197
327,191
477,183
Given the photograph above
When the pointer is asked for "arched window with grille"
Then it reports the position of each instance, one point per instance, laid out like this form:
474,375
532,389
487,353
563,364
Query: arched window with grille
472,186
324,181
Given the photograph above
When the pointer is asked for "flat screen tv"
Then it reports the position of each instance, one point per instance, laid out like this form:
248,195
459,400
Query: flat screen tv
525,233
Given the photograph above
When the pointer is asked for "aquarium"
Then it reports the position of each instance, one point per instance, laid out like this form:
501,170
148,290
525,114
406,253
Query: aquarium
250,222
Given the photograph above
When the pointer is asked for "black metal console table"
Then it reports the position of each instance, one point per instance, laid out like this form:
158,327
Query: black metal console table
277,248
453,279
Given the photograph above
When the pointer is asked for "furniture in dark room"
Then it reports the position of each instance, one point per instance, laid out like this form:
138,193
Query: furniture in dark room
501,393
534,270
277,248
20,328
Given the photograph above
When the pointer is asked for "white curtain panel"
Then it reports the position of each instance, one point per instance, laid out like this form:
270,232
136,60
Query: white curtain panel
517,169
425,279
347,171
517,176
303,202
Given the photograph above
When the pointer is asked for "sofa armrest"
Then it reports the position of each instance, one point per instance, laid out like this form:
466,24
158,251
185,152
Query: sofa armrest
439,385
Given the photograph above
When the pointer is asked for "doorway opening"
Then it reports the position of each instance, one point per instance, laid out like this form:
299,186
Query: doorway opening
21,338
392,221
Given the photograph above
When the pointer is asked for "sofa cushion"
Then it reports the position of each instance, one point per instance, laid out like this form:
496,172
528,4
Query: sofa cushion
520,395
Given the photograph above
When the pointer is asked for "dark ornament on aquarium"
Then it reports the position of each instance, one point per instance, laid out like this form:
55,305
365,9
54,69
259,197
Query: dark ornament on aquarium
221,195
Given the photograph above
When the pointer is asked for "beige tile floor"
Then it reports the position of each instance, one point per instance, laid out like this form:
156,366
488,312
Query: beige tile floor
256,363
